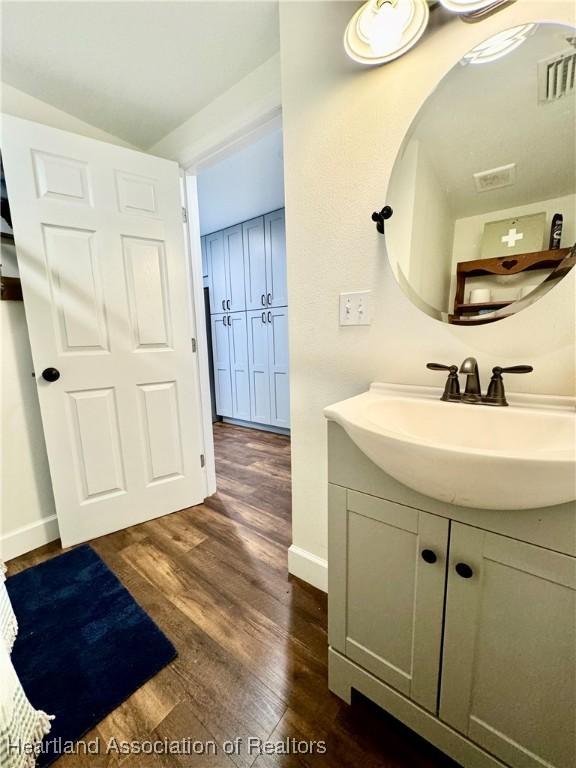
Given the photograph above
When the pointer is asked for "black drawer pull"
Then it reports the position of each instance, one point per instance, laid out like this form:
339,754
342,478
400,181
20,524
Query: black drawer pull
464,570
428,556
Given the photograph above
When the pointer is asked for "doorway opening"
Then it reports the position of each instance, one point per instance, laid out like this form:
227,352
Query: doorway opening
237,200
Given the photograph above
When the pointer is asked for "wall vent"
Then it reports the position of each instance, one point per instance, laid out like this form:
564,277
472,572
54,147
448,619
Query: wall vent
557,77
496,178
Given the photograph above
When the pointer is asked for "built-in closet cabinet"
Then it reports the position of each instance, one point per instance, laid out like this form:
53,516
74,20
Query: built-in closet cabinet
247,270
474,628
225,257
265,261
230,359
268,366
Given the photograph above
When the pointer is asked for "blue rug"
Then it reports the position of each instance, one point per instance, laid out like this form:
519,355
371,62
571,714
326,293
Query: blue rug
84,645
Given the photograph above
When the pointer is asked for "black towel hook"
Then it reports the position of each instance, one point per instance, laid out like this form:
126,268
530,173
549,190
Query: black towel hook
381,217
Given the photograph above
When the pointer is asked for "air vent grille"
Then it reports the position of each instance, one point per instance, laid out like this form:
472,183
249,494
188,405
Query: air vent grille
557,77
495,178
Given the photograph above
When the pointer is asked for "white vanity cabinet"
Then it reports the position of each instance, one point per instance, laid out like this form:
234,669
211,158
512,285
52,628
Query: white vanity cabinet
460,630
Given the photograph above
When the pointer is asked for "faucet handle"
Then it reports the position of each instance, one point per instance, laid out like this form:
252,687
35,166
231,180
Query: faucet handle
452,388
496,394
441,367
497,370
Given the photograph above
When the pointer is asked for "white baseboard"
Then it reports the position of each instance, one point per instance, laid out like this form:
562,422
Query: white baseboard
29,537
308,567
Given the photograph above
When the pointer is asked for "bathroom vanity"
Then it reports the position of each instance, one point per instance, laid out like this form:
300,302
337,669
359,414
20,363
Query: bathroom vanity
459,621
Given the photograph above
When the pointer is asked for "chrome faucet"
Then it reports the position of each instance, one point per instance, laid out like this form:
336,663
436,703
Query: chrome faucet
473,392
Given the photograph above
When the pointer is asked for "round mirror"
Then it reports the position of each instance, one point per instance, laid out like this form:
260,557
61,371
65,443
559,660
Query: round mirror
483,190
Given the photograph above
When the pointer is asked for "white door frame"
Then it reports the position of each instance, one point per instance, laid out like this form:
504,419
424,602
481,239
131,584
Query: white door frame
267,121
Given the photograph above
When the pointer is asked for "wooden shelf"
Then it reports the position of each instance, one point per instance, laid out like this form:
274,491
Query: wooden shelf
476,307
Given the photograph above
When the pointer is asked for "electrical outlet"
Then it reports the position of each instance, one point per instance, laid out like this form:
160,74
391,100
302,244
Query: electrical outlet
356,308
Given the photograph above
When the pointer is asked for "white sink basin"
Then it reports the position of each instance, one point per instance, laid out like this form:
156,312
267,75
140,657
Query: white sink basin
520,457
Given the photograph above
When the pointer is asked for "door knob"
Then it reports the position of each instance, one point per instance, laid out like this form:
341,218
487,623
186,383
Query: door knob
51,374
464,570
428,556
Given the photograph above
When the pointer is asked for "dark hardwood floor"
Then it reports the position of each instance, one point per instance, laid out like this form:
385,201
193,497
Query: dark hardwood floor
252,644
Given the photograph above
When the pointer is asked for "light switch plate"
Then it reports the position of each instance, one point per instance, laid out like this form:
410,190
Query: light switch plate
356,308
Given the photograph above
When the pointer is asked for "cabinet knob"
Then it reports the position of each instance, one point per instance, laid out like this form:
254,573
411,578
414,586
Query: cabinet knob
227,303
269,317
264,317
224,304
263,299
269,297
464,570
428,556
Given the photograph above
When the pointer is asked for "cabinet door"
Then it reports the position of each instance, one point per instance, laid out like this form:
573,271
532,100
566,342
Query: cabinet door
204,257
254,263
258,366
385,601
214,245
221,358
275,232
278,366
508,674
239,366
234,250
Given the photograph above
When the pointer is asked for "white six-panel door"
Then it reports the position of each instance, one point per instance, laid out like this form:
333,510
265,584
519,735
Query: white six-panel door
100,247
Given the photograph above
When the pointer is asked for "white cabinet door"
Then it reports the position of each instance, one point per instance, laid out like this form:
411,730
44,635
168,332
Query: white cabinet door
277,321
275,238
385,599
234,250
258,366
221,359
255,264
100,247
218,272
239,365
509,666
204,257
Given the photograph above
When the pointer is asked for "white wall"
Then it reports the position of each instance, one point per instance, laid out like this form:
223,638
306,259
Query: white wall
27,514
231,113
343,126
244,184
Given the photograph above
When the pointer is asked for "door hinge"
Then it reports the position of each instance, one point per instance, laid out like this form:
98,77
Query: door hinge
194,347
202,460
184,215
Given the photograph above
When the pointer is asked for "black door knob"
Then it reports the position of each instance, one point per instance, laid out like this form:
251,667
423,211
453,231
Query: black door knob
428,556
51,374
464,570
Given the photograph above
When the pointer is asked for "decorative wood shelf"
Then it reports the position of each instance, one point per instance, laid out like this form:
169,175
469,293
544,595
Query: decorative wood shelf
476,307
466,313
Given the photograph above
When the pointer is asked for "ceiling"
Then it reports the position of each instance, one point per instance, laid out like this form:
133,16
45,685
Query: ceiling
135,69
484,116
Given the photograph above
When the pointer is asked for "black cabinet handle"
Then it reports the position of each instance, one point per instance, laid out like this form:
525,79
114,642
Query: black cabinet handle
227,303
263,299
264,318
223,304
464,570
51,374
269,317
269,297
428,556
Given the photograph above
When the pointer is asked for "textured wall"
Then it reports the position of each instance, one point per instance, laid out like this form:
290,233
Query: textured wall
343,126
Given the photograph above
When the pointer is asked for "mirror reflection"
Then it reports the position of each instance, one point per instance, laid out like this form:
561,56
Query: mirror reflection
484,186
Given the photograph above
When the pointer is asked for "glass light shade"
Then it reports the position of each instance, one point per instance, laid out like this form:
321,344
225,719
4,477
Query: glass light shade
383,30
466,6
499,45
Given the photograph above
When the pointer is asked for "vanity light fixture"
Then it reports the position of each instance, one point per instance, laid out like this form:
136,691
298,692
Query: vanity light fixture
383,30
473,6
499,45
